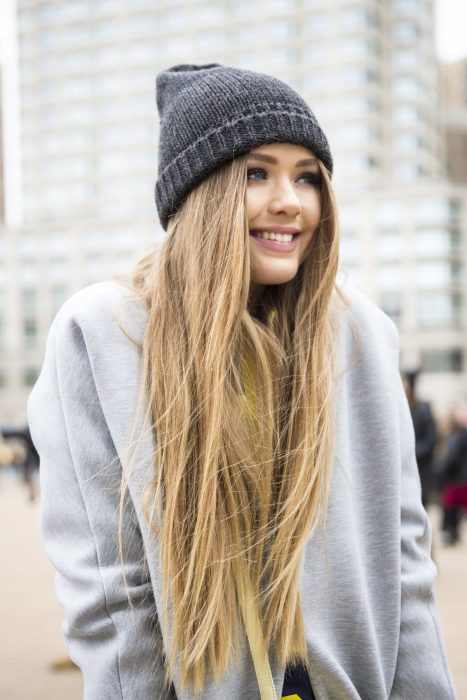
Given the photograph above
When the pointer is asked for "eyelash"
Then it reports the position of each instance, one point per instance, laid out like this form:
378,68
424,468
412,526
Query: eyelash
315,178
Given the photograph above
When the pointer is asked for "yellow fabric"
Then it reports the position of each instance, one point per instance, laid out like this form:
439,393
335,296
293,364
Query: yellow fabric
249,397
291,697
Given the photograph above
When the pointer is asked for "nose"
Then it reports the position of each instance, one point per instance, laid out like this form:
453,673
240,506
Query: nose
284,199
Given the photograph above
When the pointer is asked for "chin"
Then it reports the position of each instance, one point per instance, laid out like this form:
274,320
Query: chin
272,278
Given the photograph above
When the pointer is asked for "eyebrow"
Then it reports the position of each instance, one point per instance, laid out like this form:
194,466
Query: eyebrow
271,159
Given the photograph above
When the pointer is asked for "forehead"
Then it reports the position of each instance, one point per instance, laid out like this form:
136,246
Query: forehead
283,151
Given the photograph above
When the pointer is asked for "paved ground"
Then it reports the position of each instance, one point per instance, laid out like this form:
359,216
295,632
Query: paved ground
30,616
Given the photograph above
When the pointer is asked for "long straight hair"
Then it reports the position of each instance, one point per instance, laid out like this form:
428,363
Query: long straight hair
236,487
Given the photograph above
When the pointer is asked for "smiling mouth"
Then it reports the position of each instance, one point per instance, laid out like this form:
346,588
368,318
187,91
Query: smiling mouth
272,236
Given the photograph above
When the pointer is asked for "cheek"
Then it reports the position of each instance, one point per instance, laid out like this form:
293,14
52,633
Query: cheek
311,210
311,220
254,203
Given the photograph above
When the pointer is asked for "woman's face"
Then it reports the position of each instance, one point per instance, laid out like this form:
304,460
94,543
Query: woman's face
283,198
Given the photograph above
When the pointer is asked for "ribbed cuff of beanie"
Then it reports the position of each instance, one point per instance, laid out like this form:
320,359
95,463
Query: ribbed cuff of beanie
266,123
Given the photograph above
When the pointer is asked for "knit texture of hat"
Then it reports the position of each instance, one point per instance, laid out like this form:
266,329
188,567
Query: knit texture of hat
210,114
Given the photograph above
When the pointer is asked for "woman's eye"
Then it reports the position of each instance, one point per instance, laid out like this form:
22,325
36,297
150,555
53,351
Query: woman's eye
312,178
255,172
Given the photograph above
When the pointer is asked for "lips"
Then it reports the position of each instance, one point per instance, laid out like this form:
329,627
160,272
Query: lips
274,245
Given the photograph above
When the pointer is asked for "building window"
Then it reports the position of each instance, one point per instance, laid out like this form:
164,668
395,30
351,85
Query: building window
406,115
141,25
348,217
358,49
455,205
75,62
407,143
349,250
29,299
391,304
172,19
442,360
96,268
59,270
406,60
30,329
407,171
433,275
73,10
77,88
59,245
210,41
406,32
359,75
318,25
439,309
277,6
29,272
317,54
389,246
279,58
390,277
209,15
408,5
390,215
280,30
432,243
455,241
407,88
356,164
358,19
359,106
58,295
28,246
431,210
139,52
357,135
30,375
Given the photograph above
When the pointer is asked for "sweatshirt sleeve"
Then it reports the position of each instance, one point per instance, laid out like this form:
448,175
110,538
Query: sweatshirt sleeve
118,647
421,670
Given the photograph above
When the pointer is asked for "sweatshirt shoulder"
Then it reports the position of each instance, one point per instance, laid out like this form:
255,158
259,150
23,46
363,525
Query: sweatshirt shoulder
367,335
357,308
102,309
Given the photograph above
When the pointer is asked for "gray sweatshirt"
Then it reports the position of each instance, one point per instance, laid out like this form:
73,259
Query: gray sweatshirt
366,579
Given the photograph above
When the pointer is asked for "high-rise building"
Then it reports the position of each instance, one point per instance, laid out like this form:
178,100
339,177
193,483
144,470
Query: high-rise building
89,129
454,88
454,83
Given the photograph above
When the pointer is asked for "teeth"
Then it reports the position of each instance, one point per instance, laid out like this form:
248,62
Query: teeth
270,236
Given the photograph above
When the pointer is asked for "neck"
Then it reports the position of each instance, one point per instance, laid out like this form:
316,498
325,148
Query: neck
256,292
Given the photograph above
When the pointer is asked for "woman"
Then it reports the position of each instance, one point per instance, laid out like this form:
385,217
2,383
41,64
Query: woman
223,498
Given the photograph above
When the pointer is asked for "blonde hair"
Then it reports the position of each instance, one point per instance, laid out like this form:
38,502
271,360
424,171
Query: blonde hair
235,488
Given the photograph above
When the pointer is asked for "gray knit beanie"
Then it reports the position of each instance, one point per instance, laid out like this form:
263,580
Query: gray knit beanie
210,114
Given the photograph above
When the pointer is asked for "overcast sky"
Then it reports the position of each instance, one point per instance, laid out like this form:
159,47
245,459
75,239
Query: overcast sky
451,29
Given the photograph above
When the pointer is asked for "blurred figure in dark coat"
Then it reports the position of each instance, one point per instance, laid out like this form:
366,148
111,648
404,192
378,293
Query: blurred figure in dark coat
31,459
452,477
425,434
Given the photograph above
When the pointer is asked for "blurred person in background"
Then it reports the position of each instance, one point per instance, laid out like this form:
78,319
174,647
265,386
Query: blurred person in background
426,435
188,424
452,477
6,452
26,457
